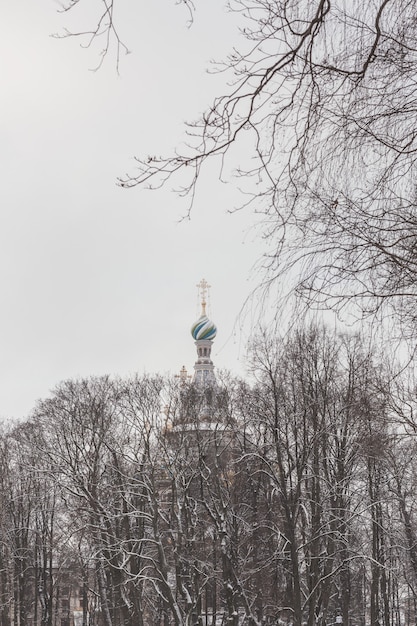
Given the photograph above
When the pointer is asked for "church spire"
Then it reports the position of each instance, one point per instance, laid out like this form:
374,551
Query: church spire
203,332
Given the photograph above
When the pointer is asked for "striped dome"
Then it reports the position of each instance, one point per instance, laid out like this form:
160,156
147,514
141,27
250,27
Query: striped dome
203,328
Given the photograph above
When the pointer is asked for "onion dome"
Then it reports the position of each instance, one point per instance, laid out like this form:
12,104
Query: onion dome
203,328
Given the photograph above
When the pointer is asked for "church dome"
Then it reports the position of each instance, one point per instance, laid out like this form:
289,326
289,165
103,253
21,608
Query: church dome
203,328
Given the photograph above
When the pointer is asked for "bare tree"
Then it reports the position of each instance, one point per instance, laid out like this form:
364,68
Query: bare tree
104,29
86,441
287,500
322,107
31,529
317,396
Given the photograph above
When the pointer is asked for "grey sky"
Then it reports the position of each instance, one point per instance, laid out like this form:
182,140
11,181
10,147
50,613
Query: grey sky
96,279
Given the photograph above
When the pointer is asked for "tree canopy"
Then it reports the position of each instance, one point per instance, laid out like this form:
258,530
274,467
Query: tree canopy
293,503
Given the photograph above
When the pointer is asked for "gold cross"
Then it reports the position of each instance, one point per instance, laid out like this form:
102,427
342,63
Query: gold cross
183,376
203,288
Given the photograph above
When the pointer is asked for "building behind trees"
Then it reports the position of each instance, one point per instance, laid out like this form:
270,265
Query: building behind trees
289,499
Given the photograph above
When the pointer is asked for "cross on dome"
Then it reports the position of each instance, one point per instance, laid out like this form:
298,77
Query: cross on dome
203,292
203,328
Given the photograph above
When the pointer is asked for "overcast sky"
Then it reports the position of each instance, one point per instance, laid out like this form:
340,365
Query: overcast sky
96,279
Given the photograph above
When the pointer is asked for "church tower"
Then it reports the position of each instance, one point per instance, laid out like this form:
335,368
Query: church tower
204,331
202,402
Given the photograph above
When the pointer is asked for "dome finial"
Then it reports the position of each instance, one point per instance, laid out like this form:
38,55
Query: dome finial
203,332
203,290
203,328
